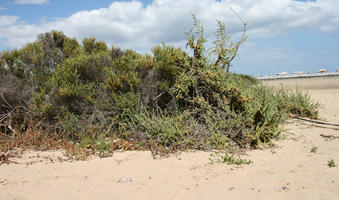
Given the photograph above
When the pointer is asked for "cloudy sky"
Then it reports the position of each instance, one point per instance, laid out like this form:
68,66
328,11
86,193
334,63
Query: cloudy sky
284,35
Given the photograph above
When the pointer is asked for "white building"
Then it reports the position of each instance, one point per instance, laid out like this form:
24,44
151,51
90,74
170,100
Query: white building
322,70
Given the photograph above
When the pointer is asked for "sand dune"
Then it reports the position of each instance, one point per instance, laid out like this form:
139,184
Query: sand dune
287,171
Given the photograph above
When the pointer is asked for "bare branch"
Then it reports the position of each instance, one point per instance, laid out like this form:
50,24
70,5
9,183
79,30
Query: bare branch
243,37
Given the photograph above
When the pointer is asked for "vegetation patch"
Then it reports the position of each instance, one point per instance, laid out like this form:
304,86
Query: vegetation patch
314,149
92,98
229,159
331,163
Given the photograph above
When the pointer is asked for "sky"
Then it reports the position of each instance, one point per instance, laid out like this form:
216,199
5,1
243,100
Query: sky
283,35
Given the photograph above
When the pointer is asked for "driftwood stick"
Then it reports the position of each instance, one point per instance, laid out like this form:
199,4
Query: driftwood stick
329,136
315,121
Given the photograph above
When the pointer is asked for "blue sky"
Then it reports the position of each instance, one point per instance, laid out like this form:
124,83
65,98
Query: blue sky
284,35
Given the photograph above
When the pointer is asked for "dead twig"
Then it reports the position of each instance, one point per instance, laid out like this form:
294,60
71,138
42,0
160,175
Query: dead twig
329,136
315,121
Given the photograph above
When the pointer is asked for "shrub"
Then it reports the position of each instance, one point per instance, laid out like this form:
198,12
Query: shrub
168,100
90,46
168,131
71,48
298,103
14,100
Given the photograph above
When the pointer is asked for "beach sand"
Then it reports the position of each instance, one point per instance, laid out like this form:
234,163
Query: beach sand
287,171
318,83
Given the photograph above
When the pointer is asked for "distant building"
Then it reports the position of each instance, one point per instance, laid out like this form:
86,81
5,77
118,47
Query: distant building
322,70
298,72
282,74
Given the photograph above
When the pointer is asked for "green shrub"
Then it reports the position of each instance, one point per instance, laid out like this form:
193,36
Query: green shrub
71,125
126,71
168,100
168,131
90,46
71,48
298,103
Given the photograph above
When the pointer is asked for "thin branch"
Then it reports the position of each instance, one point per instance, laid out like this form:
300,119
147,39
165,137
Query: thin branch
238,16
315,121
242,37
4,99
5,116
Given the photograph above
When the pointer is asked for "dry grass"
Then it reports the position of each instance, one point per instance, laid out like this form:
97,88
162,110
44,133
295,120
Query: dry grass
30,137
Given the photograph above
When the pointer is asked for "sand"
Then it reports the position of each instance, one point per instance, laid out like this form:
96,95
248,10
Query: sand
307,83
287,171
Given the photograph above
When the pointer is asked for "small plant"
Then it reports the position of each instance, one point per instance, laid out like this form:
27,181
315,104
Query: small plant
231,160
314,149
299,103
212,159
331,163
101,144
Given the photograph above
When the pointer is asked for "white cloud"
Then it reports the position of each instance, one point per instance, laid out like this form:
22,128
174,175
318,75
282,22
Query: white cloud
2,8
30,1
6,21
328,28
132,25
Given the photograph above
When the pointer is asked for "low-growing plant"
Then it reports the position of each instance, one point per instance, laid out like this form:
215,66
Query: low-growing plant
229,159
298,103
314,149
331,163
99,143
232,160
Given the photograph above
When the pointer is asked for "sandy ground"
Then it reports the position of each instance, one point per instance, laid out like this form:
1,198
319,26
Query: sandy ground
287,171
307,83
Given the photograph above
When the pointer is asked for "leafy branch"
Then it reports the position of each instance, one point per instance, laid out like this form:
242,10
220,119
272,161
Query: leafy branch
226,53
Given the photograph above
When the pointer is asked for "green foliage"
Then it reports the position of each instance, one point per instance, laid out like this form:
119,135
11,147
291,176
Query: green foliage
71,47
13,63
168,100
231,160
90,46
116,52
331,163
127,106
314,149
124,75
167,131
169,62
71,125
298,103
67,83
101,144
224,50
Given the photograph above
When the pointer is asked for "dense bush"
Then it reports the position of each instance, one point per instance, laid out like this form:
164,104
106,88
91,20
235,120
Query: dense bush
166,101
